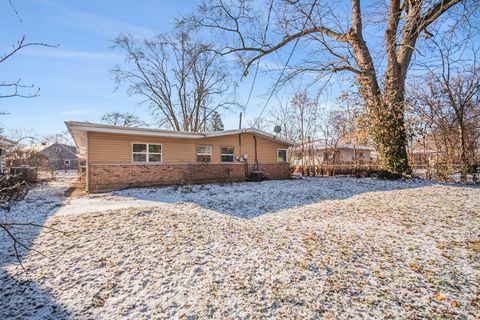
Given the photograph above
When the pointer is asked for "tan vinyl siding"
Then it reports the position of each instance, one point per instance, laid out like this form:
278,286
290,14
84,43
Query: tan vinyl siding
108,148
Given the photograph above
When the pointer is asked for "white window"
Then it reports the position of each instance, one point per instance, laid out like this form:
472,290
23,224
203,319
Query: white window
204,153
66,162
281,155
143,152
227,154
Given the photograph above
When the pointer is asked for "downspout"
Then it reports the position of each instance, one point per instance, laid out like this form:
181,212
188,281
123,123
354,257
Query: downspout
240,155
87,169
256,159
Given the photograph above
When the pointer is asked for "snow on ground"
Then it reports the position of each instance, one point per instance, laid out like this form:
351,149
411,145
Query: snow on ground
18,297
310,248
248,200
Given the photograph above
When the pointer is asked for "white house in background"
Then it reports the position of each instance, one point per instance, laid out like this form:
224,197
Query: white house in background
319,152
422,153
4,143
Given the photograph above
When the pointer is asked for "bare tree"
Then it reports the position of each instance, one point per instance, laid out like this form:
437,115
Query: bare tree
334,42
10,89
263,124
283,116
181,79
332,125
125,119
304,111
64,137
353,121
446,104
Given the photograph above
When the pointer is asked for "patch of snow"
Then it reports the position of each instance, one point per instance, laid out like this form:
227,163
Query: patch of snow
248,200
307,248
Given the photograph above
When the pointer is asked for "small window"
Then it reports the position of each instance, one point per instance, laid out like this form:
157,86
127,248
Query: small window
282,155
154,153
142,152
66,162
204,153
227,154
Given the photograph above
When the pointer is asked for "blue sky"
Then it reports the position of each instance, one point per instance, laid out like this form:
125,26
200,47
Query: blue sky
75,78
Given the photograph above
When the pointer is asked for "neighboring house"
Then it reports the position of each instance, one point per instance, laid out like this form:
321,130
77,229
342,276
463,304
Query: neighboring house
423,153
423,157
318,152
119,157
60,156
4,143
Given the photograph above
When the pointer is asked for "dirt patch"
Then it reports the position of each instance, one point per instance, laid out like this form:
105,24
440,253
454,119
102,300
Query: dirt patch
75,191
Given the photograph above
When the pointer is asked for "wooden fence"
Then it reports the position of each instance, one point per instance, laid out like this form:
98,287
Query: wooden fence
335,170
437,172
29,174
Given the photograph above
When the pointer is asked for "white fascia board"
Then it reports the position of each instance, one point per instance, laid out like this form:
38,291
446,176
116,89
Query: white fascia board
90,127
270,136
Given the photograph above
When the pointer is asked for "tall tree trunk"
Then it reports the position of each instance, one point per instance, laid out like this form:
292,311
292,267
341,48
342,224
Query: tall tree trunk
388,132
386,110
463,153
387,125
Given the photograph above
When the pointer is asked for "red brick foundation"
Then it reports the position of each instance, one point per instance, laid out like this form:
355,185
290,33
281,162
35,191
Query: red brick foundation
111,177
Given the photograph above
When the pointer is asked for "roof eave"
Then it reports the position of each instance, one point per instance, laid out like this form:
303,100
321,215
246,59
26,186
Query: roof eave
73,127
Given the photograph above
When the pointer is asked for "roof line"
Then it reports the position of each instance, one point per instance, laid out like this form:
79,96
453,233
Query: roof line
95,127
3,139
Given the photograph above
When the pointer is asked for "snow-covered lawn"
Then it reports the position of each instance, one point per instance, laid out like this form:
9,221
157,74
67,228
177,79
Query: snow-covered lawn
311,248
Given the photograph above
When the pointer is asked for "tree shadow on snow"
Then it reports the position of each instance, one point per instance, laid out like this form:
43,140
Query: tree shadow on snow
252,199
24,299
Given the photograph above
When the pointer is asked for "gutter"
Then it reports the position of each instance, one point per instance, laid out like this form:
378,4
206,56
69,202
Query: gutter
87,168
93,127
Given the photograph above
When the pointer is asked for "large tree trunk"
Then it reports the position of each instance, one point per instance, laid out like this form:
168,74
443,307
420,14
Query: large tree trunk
387,126
463,153
389,135
386,109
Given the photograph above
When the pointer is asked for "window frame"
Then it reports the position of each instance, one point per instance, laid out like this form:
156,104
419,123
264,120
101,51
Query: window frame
227,154
203,154
286,155
66,162
147,153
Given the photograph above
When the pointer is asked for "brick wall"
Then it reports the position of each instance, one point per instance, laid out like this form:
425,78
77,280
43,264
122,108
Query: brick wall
110,177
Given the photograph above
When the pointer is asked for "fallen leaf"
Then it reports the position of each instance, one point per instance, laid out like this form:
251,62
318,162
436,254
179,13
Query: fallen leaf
415,267
454,303
440,297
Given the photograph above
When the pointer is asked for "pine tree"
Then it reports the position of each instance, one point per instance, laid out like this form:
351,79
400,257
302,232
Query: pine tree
216,123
